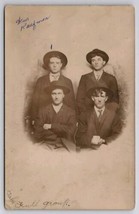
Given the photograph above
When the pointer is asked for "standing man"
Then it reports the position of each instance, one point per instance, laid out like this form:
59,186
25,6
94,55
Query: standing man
99,125
97,59
55,124
54,62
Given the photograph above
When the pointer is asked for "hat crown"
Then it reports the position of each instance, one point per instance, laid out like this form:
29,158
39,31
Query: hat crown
51,54
57,85
97,52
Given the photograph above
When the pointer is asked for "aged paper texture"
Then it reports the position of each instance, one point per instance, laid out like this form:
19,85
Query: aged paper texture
35,177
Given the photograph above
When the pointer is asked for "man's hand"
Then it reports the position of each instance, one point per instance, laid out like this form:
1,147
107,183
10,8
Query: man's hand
47,126
101,141
97,140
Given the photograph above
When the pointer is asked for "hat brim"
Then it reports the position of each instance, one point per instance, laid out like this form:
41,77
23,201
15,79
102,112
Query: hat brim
50,88
96,52
51,54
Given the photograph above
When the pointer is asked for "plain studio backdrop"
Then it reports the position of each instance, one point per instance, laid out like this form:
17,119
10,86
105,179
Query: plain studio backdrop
101,179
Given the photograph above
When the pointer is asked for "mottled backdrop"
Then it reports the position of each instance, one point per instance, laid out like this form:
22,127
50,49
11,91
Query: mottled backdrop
34,177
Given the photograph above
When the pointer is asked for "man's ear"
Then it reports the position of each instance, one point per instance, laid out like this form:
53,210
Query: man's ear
62,66
106,98
92,98
104,62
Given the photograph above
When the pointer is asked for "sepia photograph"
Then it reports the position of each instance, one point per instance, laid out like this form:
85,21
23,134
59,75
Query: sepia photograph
69,107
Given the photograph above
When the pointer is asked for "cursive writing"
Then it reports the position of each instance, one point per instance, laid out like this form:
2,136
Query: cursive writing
26,23
61,204
20,204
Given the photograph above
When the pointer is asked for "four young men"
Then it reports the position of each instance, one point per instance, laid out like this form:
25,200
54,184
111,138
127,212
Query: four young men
53,105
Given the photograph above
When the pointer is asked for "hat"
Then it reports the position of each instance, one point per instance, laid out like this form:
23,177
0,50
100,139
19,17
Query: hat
57,85
51,54
100,86
97,52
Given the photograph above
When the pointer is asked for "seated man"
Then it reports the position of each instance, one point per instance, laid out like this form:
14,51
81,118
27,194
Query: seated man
56,123
99,125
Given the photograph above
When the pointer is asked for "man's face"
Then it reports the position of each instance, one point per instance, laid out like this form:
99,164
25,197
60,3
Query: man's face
57,96
100,99
97,62
55,65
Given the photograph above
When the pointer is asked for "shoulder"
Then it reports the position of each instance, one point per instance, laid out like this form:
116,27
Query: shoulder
66,79
87,114
110,76
111,113
46,109
68,110
43,78
86,75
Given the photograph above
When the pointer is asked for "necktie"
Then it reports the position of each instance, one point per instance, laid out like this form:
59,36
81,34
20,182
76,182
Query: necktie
97,77
100,114
54,77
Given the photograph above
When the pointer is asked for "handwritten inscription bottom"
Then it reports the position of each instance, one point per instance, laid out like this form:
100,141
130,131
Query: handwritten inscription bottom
13,202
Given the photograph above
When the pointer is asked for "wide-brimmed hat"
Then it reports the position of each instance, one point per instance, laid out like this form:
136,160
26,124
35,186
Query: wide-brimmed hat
51,54
57,85
97,52
104,87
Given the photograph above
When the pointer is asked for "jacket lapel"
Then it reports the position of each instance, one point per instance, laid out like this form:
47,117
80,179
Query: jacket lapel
102,120
92,76
46,81
93,124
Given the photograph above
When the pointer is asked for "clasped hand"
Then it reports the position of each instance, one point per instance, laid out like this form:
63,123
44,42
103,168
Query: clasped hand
97,140
47,126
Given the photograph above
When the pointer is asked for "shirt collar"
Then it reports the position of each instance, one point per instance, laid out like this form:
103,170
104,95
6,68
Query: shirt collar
97,110
54,77
57,107
98,73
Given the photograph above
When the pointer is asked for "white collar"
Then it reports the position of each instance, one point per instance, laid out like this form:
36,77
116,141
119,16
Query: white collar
57,107
97,110
54,77
98,74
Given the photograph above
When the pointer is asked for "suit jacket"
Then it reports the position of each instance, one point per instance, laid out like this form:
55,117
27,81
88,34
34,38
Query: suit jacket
63,123
88,81
40,98
108,128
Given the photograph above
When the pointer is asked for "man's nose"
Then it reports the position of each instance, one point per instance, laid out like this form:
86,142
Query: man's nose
99,99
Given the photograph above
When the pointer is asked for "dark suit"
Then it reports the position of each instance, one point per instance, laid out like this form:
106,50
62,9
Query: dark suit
63,124
108,128
89,81
40,98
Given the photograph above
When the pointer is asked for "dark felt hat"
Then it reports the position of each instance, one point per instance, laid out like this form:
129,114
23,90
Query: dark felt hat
97,52
100,86
51,54
57,85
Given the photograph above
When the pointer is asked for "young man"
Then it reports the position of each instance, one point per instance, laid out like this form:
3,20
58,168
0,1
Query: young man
54,62
99,125
97,59
56,123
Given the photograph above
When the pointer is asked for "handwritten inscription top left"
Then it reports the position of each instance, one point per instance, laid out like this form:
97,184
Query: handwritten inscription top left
26,23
